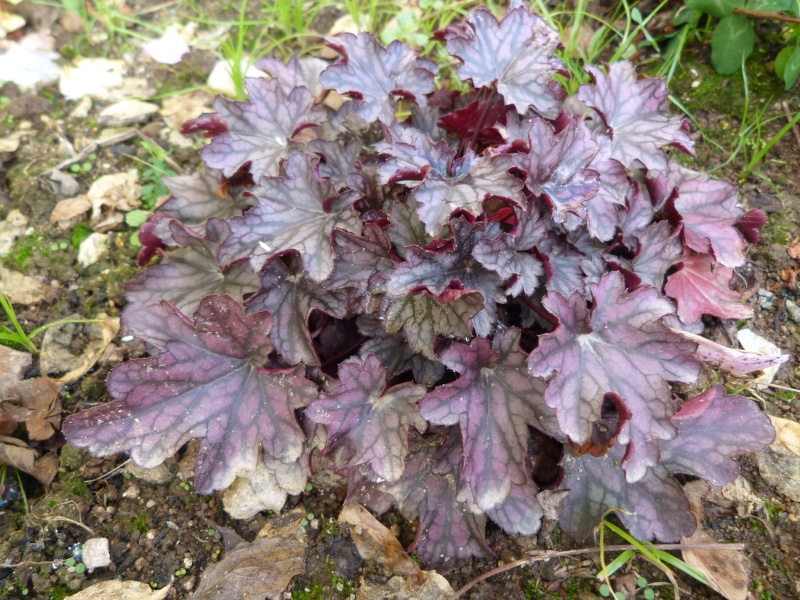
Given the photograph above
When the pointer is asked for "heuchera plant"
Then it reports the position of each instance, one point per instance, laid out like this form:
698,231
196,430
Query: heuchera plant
442,303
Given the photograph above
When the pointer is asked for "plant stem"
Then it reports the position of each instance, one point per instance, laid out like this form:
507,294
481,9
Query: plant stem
755,14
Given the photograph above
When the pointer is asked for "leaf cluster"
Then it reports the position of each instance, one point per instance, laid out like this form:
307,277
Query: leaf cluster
463,309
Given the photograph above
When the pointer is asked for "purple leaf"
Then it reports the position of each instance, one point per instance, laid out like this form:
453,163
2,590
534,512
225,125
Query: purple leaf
290,295
338,163
294,212
436,270
395,353
362,262
448,184
636,217
488,115
375,75
405,228
298,72
714,428
557,167
206,381
701,287
369,419
658,251
750,224
563,266
653,507
190,273
615,189
619,347
422,317
260,129
509,255
516,55
198,197
709,211
520,513
636,112
493,401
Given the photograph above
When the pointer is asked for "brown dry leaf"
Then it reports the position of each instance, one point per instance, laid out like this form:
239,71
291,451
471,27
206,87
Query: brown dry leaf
58,345
15,364
779,464
16,453
113,193
176,110
793,249
726,572
376,543
433,587
24,290
262,569
121,590
35,402
71,208
10,229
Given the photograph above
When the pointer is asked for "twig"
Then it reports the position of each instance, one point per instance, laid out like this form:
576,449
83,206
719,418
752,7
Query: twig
754,14
104,475
24,563
65,519
89,149
788,114
783,387
158,7
548,554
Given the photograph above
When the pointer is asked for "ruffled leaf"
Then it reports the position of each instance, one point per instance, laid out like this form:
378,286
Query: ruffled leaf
206,381
294,212
367,419
520,513
516,55
298,72
618,348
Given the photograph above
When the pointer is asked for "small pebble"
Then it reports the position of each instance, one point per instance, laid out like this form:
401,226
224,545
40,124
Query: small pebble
793,310
150,504
132,492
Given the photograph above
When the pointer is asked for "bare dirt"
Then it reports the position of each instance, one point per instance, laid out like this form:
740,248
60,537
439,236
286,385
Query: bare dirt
162,533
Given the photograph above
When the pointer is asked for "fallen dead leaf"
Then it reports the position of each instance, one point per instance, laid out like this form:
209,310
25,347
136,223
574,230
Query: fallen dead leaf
71,208
16,453
376,543
262,569
112,194
10,143
24,290
36,403
253,492
726,572
121,590
10,229
433,587
176,110
779,464
57,358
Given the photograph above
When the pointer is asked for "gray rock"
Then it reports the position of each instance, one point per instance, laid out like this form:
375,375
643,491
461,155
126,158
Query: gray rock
96,554
780,467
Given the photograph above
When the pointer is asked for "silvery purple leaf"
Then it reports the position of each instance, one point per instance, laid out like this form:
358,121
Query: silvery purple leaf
367,418
516,55
290,295
713,429
437,270
520,513
637,114
509,255
190,273
206,381
198,197
563,266
294,212
362,261
653,507
298,72
493,401
615,188
557,167
405,228
618,348
659,249
376,75
260,129
422,317
702,287
338,163
636,217
709,211
395,353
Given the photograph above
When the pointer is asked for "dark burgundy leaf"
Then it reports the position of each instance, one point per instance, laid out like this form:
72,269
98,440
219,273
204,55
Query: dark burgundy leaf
260,129
211,124
750,224
516,55
294,212
289,294
206,381
369,419
702,287
436,270
557,167
375,75
618,347
713,429
489,116
190,273
637,114
493,401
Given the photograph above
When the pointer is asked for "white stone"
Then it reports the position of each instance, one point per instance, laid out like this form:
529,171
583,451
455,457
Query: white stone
127,112
168,49
249,495
28,67
220,77
92,249
91,77
96,554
